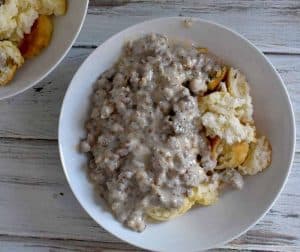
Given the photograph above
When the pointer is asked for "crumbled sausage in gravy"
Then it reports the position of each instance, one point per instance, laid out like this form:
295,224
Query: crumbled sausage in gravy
146,141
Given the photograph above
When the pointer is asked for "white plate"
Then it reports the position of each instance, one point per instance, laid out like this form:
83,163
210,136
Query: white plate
65,30
202,227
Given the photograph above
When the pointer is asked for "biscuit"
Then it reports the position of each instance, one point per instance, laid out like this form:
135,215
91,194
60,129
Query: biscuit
232,156
239,88
38,39
259,157
227,127
162,214
214,146
17,17
8,23
10,60
220,75
221,103
49,7
205,194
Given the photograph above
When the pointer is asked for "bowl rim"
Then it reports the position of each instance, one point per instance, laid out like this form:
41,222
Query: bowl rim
274,71
52,68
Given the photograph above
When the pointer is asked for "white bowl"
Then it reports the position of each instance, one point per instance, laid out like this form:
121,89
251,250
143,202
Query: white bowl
202,227
66,29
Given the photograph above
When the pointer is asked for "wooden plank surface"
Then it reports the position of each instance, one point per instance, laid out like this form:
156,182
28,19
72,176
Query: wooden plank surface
34,114
19,244
37,209
272,25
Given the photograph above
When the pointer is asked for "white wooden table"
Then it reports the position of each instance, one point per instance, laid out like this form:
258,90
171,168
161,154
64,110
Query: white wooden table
38,212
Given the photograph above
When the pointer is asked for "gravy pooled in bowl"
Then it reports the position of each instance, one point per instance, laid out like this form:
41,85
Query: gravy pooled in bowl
166,131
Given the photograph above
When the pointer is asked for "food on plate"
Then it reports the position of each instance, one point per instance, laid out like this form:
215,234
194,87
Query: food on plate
28,25
227,127
163,214
204,194
38,39
169,127
223,103
49,7
238,88
259,157
229,156
10,60
214,146
202,50
218,77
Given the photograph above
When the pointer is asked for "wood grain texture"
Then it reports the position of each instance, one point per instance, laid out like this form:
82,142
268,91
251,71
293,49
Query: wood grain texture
39,107
34,114
272,25
19,244
37,202
37,209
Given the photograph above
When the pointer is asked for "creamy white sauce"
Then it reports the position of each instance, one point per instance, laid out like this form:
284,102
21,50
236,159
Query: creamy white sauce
145,137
